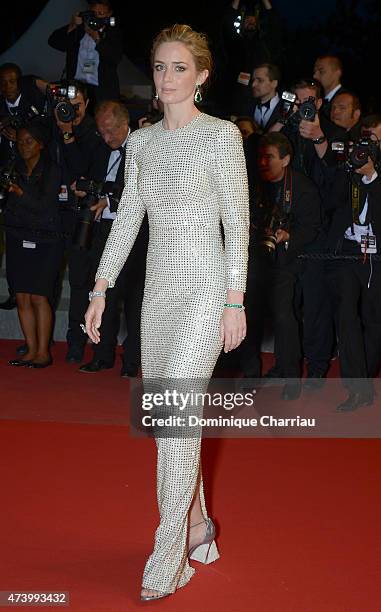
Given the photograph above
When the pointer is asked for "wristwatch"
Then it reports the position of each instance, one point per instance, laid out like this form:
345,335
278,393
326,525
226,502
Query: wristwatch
67,135
93,294
319,140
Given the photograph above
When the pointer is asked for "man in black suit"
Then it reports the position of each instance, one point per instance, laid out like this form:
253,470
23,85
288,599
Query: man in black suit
92,55
328,70
285,211
355,230
113,125
266,79
313,156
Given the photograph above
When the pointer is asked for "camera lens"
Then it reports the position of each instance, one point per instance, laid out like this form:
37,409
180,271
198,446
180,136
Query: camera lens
65,112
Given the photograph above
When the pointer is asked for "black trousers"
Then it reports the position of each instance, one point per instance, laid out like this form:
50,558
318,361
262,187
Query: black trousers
356,288
271,292
315,309
129,286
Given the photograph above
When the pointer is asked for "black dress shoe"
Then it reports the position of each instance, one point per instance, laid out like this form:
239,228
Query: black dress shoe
355,400
314,381
129,370
291,391
95,366
40,365
75,354
22,349
273,378
9,304
19,362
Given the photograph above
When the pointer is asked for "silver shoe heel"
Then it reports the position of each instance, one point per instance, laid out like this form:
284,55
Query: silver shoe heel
205,552
152,597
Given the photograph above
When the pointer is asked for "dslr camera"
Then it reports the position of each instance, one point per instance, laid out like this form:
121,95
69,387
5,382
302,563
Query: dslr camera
306,110
96,23
83,232
58,99
353,155
17,120
8,175
268,223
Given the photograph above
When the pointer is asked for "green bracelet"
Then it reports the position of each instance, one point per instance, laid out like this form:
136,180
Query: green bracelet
240,306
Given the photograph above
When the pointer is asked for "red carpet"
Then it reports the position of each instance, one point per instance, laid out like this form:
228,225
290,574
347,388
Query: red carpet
298,519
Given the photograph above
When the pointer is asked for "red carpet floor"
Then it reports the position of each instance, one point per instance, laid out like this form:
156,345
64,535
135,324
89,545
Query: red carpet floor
298,519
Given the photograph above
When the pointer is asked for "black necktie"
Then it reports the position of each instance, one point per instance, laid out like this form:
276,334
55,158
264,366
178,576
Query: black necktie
264,107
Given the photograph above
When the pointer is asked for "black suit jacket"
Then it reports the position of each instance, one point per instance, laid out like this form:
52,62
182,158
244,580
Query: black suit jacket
98,171
304,216
110,49
274,117
326,107
30,96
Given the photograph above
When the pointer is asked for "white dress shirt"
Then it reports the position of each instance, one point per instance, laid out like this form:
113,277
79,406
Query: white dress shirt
330,95
360,230
112,171
262,114
88,61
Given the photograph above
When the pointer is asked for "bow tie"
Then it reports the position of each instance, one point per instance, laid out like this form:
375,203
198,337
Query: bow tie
265,104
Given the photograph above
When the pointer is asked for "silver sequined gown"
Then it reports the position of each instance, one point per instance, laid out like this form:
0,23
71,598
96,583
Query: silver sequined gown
188,180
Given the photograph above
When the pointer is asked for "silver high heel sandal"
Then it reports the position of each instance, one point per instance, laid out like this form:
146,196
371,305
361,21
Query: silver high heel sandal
152,597
205,552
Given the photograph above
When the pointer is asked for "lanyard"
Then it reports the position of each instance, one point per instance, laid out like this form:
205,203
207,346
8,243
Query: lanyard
116,161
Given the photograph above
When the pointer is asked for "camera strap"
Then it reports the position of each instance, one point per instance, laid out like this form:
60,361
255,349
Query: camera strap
116,161
287,191
355,197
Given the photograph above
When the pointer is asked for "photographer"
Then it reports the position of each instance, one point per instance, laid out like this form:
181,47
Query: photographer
77,138
34,248
311,135
285,215
93,48
355,231
73,146
18,95
113,124
346,113
309,132
250,35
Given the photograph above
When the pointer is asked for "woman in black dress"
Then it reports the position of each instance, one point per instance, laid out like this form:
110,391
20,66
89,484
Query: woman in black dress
34,246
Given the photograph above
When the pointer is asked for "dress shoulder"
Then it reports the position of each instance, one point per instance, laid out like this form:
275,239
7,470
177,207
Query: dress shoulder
221,127
140,137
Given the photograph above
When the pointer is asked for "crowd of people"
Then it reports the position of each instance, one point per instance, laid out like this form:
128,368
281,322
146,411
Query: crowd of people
312,162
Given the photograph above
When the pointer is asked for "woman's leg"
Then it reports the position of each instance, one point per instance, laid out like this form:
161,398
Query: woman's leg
178,479
44,323
197,515
28,324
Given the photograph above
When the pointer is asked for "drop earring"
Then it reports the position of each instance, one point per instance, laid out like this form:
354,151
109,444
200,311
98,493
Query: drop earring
156,96
197,94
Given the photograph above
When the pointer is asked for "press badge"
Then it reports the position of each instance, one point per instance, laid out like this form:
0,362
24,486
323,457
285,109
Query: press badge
63,195
244,78
89,66
28,245
368,244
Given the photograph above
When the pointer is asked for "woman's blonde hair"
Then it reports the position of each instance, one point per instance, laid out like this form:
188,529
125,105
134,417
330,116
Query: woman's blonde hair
197,44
